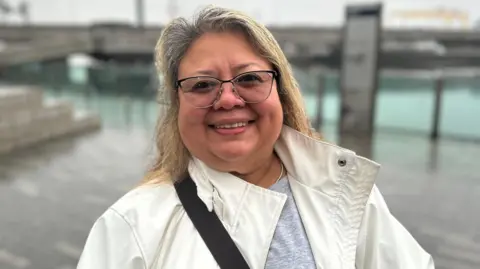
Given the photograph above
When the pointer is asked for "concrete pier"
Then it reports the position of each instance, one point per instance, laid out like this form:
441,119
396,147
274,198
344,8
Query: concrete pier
26,119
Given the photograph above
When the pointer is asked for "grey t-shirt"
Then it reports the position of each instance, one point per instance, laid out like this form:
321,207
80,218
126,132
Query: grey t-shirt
290,247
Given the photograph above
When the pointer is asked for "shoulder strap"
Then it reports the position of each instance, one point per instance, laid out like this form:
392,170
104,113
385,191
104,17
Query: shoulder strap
209,227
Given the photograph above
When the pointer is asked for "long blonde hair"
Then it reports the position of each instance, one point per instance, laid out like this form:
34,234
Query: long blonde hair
172,156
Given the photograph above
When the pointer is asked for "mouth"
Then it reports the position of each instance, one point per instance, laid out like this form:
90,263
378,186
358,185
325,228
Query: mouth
231,129
231,125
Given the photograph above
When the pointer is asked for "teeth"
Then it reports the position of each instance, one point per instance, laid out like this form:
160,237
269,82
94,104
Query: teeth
233,125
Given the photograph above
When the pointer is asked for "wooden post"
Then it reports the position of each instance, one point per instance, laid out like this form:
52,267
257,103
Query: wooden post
320,93
439,83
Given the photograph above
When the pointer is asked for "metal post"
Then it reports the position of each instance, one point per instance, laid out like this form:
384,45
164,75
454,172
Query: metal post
140,9
24,11
439,83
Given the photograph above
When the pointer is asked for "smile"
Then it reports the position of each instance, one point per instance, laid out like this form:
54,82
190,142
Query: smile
231,125
233,128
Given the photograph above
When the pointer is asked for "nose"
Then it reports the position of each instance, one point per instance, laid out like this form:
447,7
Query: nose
228,98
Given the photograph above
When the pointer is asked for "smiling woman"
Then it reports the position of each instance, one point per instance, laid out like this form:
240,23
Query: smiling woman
238,131
241,180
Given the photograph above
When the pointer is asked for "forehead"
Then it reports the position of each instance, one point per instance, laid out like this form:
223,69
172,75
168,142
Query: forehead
220,53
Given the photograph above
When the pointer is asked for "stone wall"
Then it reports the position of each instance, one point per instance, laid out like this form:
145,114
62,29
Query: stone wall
26,119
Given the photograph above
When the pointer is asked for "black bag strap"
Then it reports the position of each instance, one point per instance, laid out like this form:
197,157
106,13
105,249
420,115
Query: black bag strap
209,227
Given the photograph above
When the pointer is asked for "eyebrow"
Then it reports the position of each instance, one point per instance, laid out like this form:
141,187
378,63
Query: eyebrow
237,69
243,66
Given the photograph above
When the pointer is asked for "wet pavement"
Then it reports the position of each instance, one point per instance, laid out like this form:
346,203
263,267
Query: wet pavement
50,195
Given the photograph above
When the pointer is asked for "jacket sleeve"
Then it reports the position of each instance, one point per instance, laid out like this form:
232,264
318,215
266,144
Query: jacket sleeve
111,244
385,243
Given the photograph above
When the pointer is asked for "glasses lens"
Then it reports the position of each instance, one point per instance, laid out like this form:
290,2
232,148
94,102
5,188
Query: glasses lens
200,91
254,87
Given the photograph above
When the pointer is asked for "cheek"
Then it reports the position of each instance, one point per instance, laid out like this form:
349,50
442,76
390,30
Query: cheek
191,124
271,109
191,117
188,115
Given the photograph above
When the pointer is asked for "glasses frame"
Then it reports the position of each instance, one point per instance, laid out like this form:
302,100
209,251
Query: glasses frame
275,76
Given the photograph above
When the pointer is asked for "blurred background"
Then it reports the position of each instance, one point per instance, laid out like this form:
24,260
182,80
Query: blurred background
78,106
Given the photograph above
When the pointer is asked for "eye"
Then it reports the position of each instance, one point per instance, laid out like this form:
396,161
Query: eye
203,86
249,78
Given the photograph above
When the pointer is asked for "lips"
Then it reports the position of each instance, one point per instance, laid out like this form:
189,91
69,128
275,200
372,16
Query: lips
230,126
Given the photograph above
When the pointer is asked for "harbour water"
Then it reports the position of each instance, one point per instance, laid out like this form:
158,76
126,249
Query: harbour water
405,103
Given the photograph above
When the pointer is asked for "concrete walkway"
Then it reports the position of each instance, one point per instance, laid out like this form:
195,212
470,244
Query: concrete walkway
50,195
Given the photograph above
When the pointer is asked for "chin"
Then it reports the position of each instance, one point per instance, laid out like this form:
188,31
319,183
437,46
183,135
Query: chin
231,153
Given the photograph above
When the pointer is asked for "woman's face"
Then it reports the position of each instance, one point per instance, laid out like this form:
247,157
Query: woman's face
210,133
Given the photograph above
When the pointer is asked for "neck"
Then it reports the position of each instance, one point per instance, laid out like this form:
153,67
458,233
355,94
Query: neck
266,174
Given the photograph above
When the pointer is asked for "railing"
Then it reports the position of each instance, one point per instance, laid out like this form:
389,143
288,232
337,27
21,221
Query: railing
433,104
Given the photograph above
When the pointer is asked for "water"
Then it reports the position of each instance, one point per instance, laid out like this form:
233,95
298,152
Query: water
116,111
413,111
407,105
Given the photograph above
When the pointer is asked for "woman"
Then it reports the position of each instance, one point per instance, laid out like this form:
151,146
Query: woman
237,128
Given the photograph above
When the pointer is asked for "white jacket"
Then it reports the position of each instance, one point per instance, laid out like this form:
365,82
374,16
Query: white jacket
346,219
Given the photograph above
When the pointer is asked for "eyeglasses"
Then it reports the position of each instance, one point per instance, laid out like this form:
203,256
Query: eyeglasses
251,87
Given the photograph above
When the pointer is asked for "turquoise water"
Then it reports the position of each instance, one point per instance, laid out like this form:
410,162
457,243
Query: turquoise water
413,111
408,105
116,111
